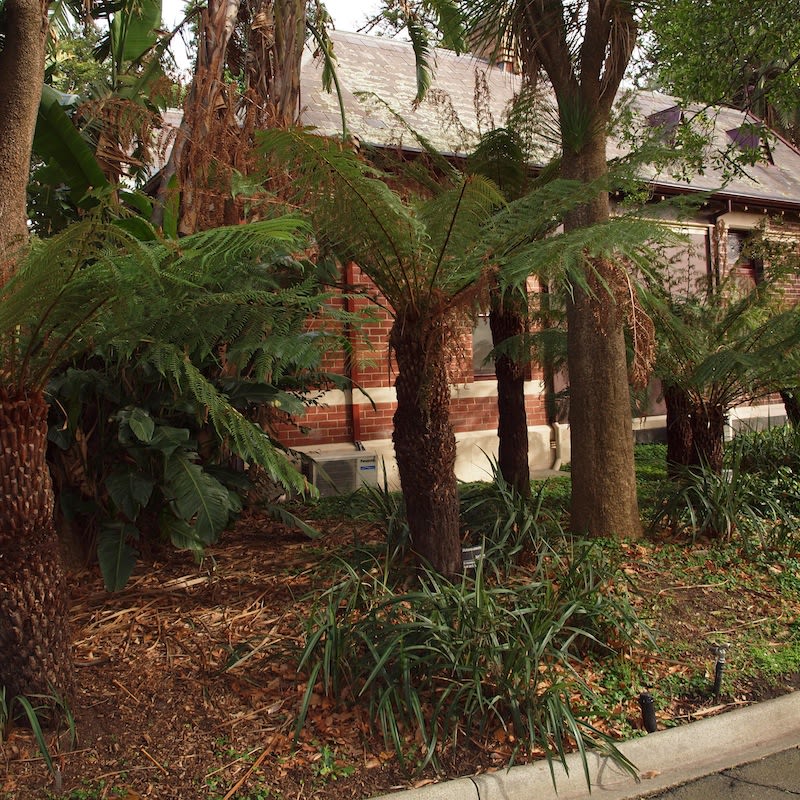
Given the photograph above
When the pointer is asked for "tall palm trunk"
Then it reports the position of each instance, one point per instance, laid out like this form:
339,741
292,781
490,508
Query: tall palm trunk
277,38
425,442
34,636
34,632
604,498
22,71
508,318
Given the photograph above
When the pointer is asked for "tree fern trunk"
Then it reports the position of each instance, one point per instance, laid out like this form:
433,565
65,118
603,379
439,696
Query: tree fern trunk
425,443
680,446
508,318
791,402
34,631
708,435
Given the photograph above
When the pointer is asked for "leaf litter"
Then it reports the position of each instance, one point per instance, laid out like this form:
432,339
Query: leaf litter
188,687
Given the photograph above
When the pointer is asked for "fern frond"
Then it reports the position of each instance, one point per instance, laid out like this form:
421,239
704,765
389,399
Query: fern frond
243,437
355,213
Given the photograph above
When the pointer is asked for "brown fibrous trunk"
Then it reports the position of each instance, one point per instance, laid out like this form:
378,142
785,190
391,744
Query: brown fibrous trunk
34,630
680,444
508,318
425,443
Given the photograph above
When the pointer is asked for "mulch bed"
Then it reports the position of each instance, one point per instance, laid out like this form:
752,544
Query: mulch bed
187,682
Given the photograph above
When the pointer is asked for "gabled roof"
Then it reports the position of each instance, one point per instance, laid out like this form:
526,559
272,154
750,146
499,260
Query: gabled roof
384,68
772,181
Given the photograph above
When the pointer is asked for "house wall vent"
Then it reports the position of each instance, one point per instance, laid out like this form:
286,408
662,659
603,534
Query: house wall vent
340,473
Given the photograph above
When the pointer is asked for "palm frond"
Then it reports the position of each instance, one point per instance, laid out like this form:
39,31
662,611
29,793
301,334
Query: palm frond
424,55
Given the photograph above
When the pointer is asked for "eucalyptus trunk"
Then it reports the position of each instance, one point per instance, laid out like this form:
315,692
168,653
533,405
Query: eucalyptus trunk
34,629
507,319
604,501
425,442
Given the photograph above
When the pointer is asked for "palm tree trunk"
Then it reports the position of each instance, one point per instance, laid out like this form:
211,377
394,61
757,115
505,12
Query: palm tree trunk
34,631
507,318
604,498
34,636
425,442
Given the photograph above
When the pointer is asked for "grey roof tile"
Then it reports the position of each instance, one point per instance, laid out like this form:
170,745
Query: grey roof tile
384,68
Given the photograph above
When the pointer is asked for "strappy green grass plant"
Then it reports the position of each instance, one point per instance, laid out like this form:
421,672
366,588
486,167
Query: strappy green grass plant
756,507
461,659
35,714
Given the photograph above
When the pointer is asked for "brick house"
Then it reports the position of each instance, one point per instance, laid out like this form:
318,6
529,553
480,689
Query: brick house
377,76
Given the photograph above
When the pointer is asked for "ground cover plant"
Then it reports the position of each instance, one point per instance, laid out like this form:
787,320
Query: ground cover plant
188,682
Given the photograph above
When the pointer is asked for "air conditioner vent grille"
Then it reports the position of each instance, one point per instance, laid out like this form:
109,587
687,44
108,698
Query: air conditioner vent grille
340,473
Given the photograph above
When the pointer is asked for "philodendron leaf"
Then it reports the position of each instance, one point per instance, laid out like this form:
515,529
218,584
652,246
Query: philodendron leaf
168,439
181,533
141,425
130,490
197,498
114,553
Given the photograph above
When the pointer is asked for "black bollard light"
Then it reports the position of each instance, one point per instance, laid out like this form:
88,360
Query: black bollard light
719,668
648,706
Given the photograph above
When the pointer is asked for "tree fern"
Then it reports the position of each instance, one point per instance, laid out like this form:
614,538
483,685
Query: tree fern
95,288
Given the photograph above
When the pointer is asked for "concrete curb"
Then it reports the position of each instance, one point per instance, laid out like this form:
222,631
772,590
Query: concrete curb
663,759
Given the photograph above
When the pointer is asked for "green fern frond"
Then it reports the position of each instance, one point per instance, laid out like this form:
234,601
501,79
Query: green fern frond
355,213
244,438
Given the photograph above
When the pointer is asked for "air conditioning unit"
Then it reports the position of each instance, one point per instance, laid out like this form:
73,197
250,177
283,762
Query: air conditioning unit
340,473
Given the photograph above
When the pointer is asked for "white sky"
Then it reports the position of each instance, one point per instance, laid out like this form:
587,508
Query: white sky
350,15
347,15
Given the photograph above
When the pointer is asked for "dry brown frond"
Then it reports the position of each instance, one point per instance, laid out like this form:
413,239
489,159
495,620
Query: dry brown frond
617,279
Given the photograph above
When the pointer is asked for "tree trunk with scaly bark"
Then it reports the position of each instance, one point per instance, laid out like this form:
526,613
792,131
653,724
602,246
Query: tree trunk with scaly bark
425,442
680,444
34,631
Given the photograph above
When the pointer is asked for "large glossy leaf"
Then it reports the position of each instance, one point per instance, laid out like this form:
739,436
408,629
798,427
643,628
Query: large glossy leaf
142,425
133,29
181,533
197,497
168,439
58,141
130,490
114,553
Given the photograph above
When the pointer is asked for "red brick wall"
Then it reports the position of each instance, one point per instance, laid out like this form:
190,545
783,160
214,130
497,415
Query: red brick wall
371,368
